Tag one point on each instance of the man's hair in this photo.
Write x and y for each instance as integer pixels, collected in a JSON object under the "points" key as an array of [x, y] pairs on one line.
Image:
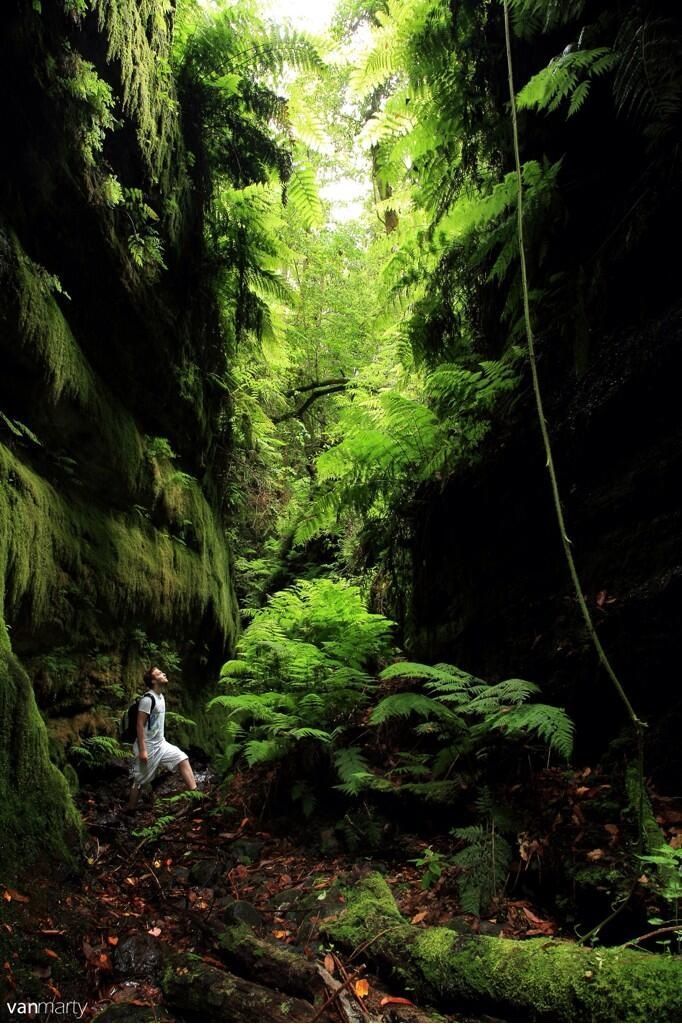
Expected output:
{"points": [[147, 677]]}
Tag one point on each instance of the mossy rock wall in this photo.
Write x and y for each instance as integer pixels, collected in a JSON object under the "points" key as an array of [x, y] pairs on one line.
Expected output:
{"points": [[114, 435]]}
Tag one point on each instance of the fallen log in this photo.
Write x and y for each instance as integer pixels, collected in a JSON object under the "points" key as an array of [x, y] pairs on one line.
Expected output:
{"points": [[208, 993], [271, 965], [532, 976]]}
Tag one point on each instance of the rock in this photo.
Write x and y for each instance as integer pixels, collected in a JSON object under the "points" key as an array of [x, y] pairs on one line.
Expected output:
{"points": [[329, 843], [242, 912], [130, 1014], [246, 851], [137, 956], [205, 872], [181, 874], [288, 899]]}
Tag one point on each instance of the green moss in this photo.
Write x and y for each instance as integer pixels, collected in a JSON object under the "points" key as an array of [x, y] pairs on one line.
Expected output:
{"points": [[366, 902], [139, 38], [71, 776], [536, 976], [36, 811], [129, 568], [44, 332]]}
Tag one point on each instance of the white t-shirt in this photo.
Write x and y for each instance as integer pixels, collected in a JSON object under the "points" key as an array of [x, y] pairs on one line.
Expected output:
{"points": [[154, 728]]}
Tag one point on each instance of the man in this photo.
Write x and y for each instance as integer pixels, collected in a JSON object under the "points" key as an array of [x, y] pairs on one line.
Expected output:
{"points": [[151, 750]]}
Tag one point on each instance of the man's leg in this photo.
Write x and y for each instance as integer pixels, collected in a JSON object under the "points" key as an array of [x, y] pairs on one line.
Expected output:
{"points": [[134, 796], [185, 769]]}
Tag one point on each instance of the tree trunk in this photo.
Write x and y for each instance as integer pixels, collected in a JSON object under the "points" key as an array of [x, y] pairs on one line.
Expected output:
{"points": [[536, 976], [192, 986]]}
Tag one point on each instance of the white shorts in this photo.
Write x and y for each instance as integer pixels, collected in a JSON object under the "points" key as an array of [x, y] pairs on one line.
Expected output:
{"points": [[165, 755]]}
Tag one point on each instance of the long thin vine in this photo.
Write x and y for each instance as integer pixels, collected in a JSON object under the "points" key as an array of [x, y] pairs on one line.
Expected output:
{"points": [[638, 724]]}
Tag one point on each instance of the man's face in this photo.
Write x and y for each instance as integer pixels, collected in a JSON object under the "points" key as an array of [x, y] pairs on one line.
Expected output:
{"points": [[159, 677]]}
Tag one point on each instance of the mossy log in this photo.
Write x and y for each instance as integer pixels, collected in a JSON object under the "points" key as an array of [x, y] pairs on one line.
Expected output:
{"points": [[538, 977], [194, 987], [273, 966]]}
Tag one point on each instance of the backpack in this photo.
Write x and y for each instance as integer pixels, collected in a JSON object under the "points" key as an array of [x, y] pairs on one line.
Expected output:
{"points": [[127, 727]]}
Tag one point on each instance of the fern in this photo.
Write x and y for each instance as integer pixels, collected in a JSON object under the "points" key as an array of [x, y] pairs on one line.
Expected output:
{"points": [[154, 831], [312, 641], [484, 862], [402, 705], [353, 770], [303, 196], [567, 77], [264, 751], [552, 725]]}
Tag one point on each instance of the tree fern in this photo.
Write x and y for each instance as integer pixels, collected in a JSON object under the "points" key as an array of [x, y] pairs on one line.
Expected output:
{"points": [[312, 641]]}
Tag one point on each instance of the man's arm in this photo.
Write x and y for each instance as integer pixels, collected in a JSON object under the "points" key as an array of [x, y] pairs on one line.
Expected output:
{"points": [[142, 717]]}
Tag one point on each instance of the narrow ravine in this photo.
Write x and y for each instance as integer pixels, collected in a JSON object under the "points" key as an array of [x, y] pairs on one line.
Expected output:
{"points": [[340, 347]]}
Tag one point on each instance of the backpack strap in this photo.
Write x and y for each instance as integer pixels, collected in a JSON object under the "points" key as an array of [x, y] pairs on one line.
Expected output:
{"points": [[153, 700]]}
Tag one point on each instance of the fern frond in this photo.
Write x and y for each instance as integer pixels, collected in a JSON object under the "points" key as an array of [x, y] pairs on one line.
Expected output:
{"points": [[568, 76], [303, 196], [402, 705], [264, 751], [550, 724]]}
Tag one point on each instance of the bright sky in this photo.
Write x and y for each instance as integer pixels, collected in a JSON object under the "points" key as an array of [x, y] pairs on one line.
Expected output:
{"points": [[312, 15], [345, 195]]}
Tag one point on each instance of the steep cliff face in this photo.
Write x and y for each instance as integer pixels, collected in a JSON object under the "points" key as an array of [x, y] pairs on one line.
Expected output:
{"points": [[491, 590], [113, 438]]}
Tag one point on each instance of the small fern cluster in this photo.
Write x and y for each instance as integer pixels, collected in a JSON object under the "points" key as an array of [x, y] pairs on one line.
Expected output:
{"points": [[456, 698]]}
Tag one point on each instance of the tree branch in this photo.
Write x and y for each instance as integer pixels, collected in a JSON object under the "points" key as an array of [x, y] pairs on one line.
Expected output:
{"points": [[297, 413], [317, 384]]}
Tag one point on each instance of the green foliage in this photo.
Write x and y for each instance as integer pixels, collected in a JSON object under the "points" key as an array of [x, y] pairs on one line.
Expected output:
{"points": [[300, 673], [393, 442], [156, 830], [402, 705], [98, 751], [667, 862], [484, 862], [433, 864], [353, 770], [81, 81], [567, 77], [551, 725], [466, 705], [139, 38]]}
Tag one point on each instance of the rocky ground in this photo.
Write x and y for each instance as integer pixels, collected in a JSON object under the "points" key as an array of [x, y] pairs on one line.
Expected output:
{"points": [[196, 910]]}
